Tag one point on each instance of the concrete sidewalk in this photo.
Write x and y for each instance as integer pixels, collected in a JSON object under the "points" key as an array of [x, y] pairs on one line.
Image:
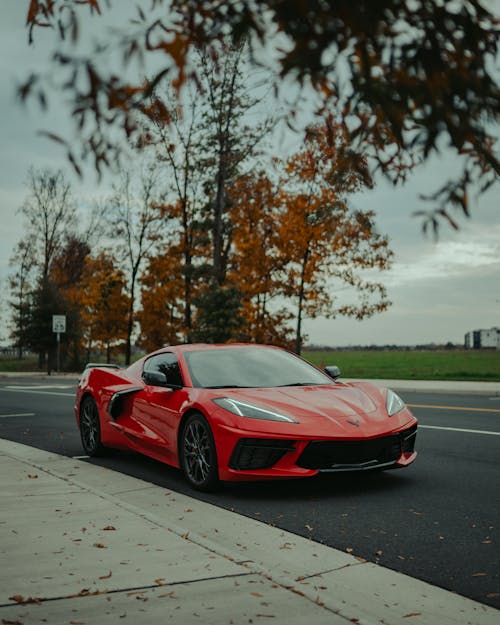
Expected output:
{"points": [[81, 544], [453, 387]]}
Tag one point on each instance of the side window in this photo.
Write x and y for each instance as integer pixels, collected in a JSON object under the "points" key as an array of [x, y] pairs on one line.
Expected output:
{"points": [[165, 363]]}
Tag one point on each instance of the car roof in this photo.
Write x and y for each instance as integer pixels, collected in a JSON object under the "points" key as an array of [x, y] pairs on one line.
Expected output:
{"points": [[190, 347]]}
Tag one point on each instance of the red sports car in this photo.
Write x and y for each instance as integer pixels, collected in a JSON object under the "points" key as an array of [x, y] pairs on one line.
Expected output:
{"points": [[242, 412]]}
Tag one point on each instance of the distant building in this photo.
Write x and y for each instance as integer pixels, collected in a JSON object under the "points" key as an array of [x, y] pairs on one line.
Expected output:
{"points": [[483, 339]]}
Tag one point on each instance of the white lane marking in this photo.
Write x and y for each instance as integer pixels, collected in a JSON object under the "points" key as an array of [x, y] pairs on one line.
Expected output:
{"points": [[42, 387], [22, 390], [17, 414], [439, 427], [460, 408]]}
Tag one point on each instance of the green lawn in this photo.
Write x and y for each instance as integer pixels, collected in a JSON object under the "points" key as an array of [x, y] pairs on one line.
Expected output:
{"points": [[390, 365], [412, 365], [11, 363]]}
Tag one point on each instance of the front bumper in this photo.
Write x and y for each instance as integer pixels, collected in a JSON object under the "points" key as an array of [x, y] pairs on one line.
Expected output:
{"points": [[271, 457]]}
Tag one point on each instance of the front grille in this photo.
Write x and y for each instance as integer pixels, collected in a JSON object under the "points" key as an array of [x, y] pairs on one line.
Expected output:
{"points": [[258, 453], [339, 455]]}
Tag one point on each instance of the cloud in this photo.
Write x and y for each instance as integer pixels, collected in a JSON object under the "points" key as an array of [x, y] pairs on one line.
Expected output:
{"points": [[448, 260]]}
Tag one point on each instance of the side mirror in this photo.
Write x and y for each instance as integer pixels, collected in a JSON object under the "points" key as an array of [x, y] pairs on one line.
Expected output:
{"points": [[333, 371], [155, 378], [158, 378]]}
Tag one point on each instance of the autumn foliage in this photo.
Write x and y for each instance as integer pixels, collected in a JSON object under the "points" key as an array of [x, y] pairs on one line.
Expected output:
{"points": [[403, 78]]}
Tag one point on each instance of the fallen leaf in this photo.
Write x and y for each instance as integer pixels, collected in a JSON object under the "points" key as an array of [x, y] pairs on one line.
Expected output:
{"points": [[17, 598], [309, 527], [6, 622], [109, 528], [379, 552], [32, 477], [349, 549], [493, 595], [21, 599], [185, 536], [170, 595], [479, 574], [188, 510], [160, 581], [412, 614], [100, 545], [256, 594], [106, 576]]}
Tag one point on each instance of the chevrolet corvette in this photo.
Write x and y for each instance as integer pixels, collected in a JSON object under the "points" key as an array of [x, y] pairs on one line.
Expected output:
{"points": [[242, 412]]}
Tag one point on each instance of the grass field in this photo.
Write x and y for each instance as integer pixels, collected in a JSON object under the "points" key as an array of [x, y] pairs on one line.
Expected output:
{"points": [[412, 365], [389, 365], [10, 363]]}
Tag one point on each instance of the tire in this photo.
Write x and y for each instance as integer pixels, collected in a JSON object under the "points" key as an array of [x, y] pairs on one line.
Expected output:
{"points": [[198, 454], [90, 428]]}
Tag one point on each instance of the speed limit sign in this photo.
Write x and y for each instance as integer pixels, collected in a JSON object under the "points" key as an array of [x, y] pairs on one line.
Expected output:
{"points": [[58, 323]]}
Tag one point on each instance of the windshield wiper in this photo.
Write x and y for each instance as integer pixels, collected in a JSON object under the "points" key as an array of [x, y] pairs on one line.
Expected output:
{"points": [[228, 386], [298, 384]]}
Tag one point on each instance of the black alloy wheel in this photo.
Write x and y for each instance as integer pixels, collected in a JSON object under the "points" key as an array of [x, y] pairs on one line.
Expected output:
{"points": [[198, 454], [90, 428]]}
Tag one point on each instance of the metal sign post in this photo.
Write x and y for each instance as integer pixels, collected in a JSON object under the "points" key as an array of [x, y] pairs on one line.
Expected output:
{"points": [[58, 326]]}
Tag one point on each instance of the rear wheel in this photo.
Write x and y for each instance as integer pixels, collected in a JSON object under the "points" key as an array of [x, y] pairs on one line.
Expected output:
{"points": [[198, 454], [90, 427]]}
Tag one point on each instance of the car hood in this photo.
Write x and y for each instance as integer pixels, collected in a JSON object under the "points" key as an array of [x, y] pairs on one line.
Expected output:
{"points": [[334, 403]]}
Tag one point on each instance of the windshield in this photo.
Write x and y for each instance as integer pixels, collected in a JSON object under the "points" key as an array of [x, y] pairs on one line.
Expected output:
{"points": [[251, 367]]}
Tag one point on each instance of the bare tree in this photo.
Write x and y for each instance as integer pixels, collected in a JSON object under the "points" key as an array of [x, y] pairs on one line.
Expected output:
{"points": [[50, 212], [176, 140], [229, 140], [135, 224]]}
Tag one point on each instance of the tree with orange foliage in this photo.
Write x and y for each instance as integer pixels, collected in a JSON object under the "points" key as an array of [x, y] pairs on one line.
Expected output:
{"points": [[257, 264], [105, 304], [162, 315], [92, 292], [325, 244], [203, 148]]}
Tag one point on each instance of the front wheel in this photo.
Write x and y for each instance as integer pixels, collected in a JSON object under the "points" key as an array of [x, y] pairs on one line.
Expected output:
{"points": [[90, 428], [198, 454]]}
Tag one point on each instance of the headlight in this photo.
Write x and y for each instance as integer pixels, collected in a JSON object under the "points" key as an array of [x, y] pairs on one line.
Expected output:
{"points": [[243, 409], [393, 403]]}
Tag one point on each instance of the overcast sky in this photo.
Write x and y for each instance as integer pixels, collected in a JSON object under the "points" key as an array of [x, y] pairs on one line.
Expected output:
{"points": [[439, 290]]}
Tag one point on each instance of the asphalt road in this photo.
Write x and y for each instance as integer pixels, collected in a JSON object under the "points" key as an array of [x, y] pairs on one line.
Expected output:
{"points": [[437, 520]]}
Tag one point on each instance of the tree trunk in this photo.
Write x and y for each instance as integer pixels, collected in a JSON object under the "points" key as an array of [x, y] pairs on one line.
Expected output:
{"points": [[128, 342], [219, 270], [298, 336]]}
